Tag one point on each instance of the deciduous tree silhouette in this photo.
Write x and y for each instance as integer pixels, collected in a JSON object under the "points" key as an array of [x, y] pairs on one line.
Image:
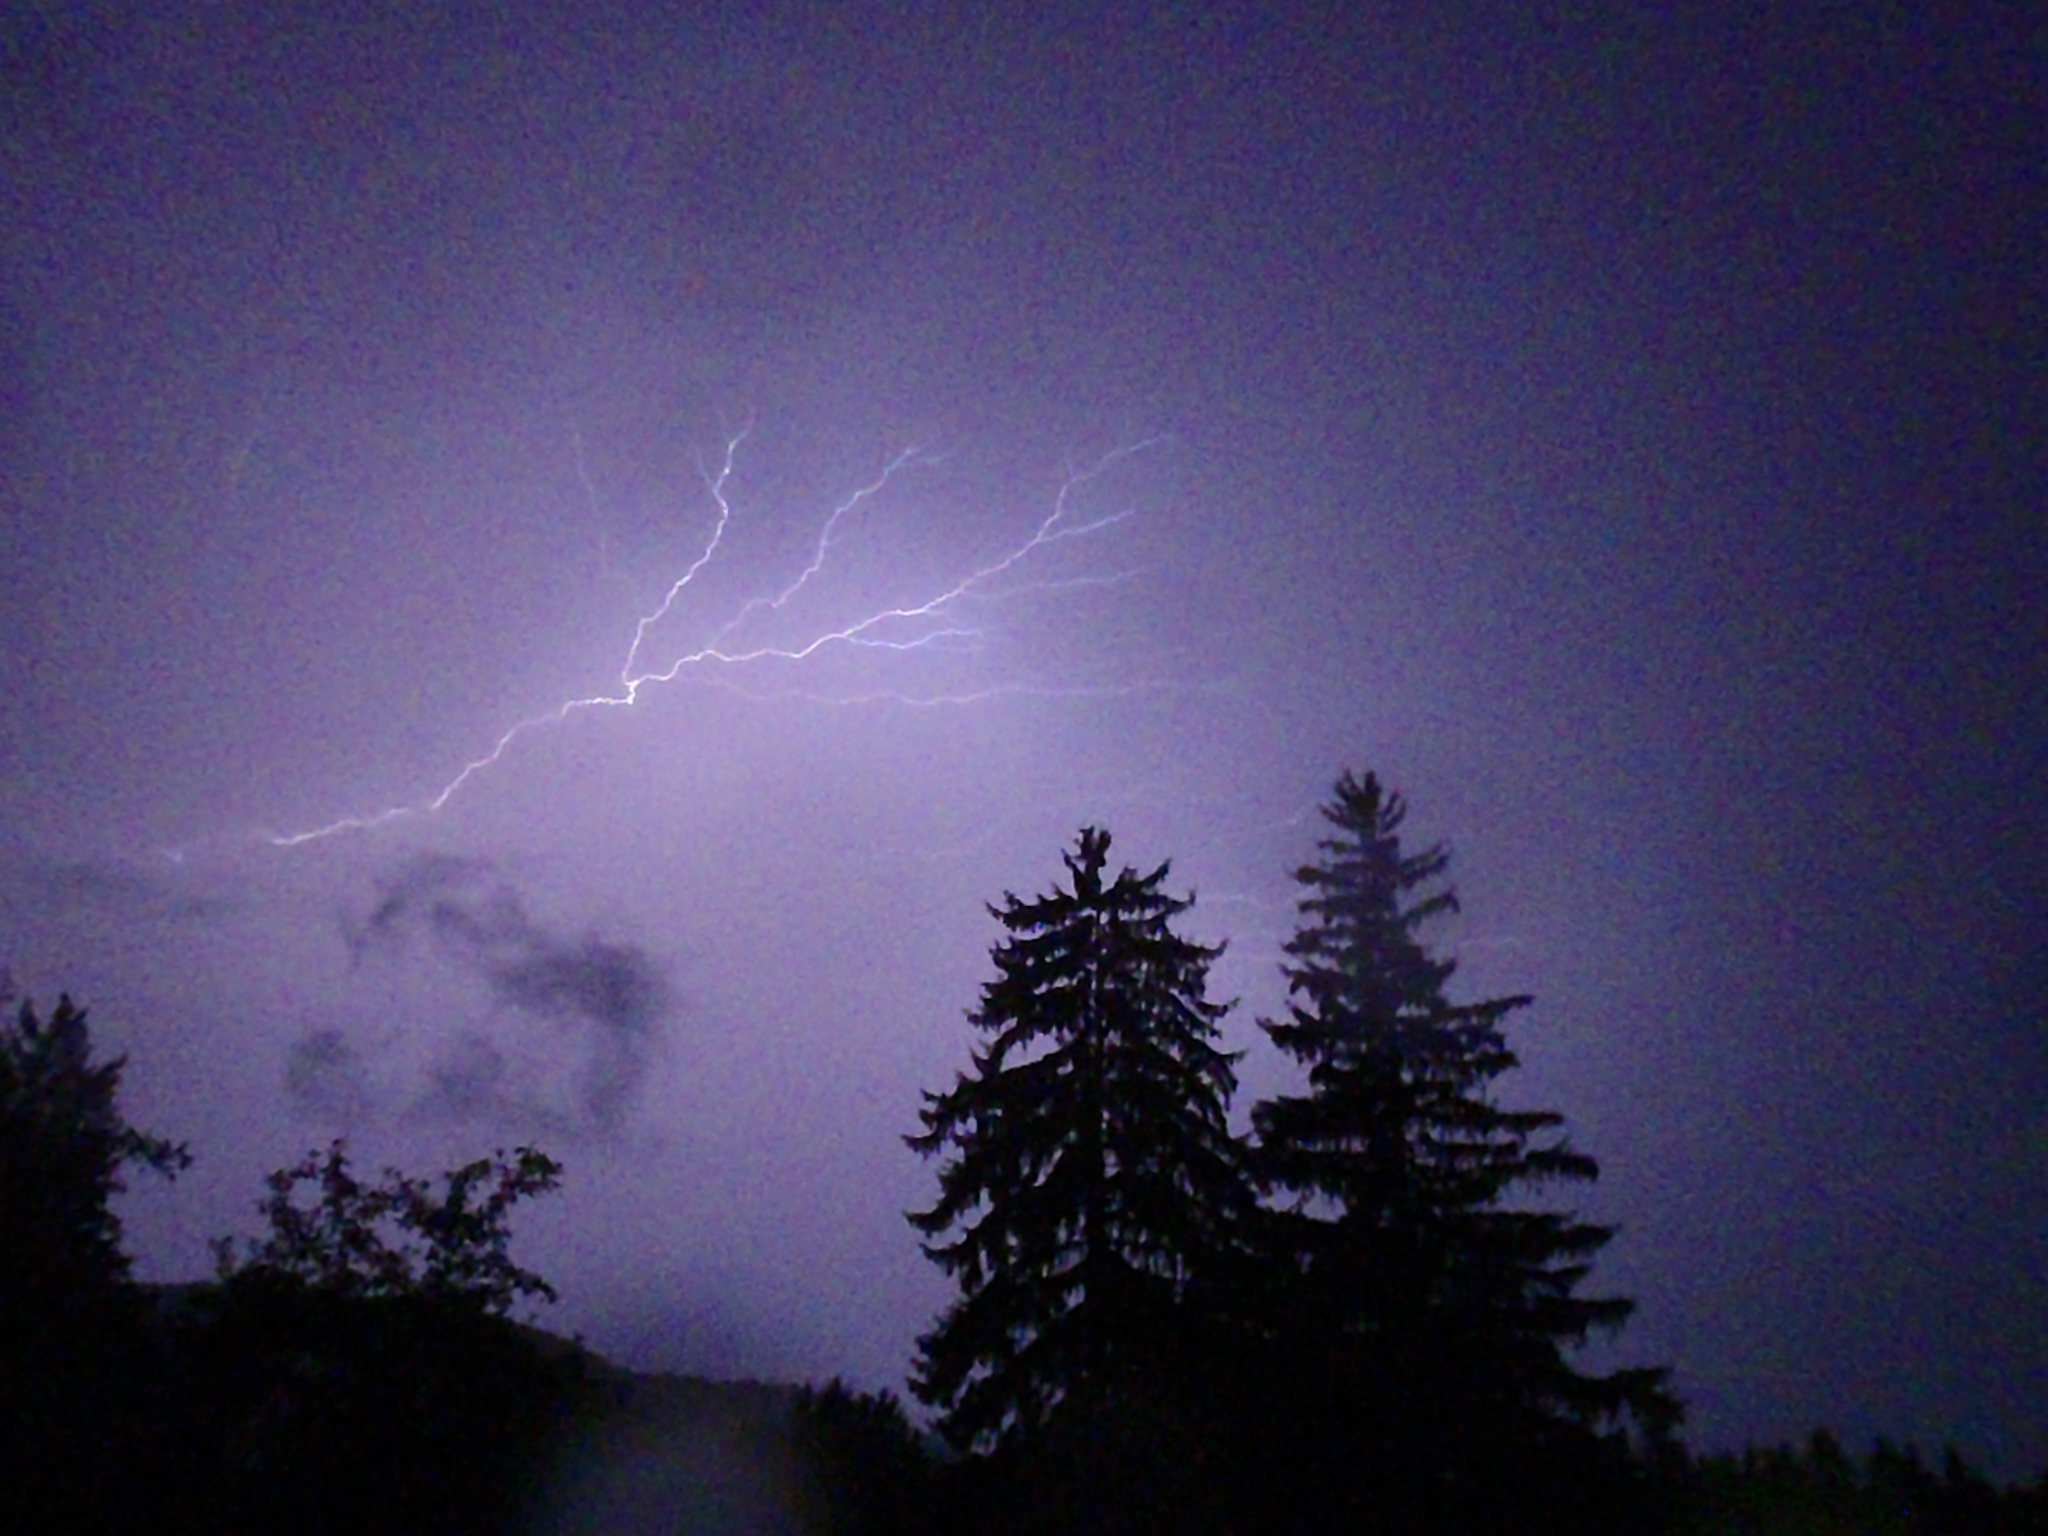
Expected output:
{"points": [[871, 1475], [1425, 1307], [1092, 1186], [357, 1369], [1818, 1487], [399, 1238]]}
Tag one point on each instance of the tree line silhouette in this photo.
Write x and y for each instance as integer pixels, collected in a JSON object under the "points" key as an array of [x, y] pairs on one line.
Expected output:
{"points": [[353, 1372], [1358, 1315]]}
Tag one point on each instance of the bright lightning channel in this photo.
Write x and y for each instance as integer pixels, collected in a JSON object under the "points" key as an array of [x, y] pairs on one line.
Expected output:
{"points": [[1058, 526]]}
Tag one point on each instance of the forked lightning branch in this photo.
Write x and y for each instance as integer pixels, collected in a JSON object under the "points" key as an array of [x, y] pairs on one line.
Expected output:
{"points": [[920, 622]]}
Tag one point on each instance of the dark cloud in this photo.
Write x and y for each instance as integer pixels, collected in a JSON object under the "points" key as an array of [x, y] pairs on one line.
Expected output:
{"points": [[604, 998], [111, 888], [324, 1076], [608, 988], [468, 1081]]}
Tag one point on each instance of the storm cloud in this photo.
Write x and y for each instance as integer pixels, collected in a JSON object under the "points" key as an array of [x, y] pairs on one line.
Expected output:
{"points": [[323, 1075], [601, 1002]]}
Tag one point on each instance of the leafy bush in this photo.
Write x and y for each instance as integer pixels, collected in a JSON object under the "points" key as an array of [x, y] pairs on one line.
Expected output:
{"points": [[399, 1238]]}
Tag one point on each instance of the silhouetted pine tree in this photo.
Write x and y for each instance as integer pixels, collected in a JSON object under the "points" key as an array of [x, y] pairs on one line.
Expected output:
{"points": [[1424, 1310], [1092, 1190]]}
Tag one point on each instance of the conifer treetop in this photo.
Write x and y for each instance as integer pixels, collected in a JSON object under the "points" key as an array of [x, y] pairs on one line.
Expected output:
{"points": [[1090, 1173]]}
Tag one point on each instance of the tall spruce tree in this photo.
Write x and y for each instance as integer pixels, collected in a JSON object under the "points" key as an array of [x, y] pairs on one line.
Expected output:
{"points": [[1093, 1184], [1432, 1308]]}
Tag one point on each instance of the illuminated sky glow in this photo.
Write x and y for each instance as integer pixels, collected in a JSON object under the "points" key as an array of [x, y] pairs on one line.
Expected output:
{"points": [[922, 624]]}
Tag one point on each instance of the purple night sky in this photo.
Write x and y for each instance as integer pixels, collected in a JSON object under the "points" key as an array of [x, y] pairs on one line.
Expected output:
{"points": [[1623, 433]]}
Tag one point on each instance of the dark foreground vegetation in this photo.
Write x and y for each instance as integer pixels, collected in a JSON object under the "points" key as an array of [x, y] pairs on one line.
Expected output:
{"points": [[1361, 1316], [875, 1474], [355, 1372]]}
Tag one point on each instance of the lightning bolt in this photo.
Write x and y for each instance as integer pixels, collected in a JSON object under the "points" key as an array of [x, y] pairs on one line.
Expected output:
{"points": [[932, 623]]}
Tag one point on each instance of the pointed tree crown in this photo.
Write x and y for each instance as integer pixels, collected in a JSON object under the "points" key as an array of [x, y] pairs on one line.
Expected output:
{"points": [[1407, 1186], [1090, 1172]]}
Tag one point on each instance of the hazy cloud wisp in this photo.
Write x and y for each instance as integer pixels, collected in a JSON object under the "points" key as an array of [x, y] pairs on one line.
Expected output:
{"points": [[605, 1000]]}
